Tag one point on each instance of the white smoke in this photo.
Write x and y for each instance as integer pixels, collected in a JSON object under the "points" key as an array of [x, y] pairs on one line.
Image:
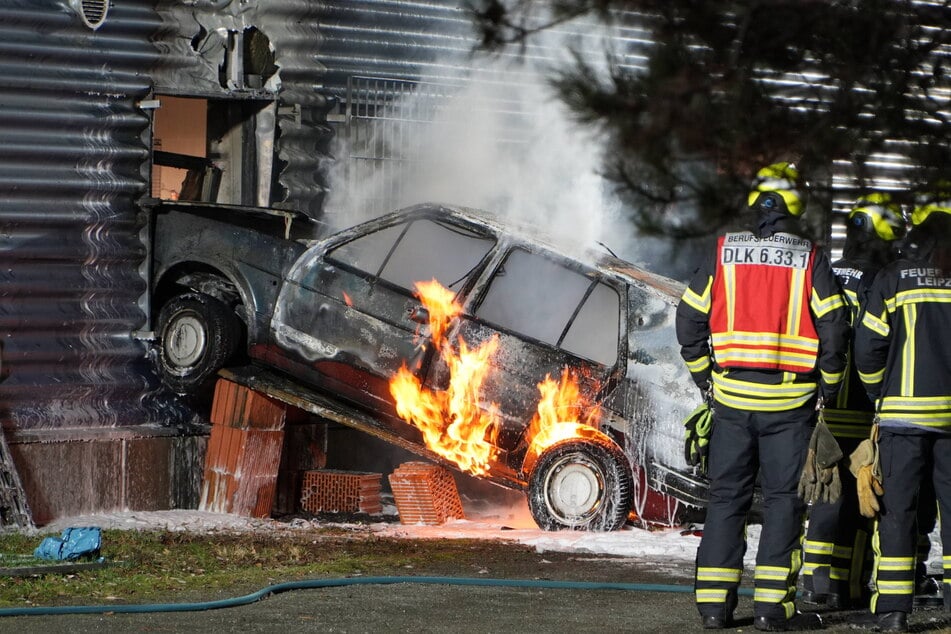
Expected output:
{"points": [[499, 140]]}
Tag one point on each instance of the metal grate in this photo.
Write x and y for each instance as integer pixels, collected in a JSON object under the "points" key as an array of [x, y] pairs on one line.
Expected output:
{"points": [[93, 12], [390, 123]]}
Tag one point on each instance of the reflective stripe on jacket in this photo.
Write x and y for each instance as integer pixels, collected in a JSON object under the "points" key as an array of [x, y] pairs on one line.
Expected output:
{"points": [[850, 416], [759, 317], [902, 347], [764, 319]]}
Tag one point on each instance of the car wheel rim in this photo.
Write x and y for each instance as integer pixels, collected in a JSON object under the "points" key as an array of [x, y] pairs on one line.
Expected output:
{"points": [[573, 489], [185, 342]]}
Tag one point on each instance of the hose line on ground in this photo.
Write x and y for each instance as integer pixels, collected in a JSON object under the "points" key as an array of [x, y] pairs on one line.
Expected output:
{"points": [[310, 584]]}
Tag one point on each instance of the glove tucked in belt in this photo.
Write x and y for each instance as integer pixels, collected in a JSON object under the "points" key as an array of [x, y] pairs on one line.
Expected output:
{"points": [[820, 480], [697, 428], [865, 465]]}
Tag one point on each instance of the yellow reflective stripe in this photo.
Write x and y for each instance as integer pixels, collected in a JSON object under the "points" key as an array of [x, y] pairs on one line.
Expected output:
{"points": [[700, 303], [832, 377], [794, 313], [908, 351], [809, 568], [918, 295], [711, 595], [758, 404], [775, 573], [767, 390], [818, 548], [698, 365], [729, 288], [896, 563], [775, 339], [852, 297], [823, 306], [839, 573], [842, 552], [872, 377], [875, 324], [728, 356], [731, 575], [896, 587], [769, 595], [917, 403]]}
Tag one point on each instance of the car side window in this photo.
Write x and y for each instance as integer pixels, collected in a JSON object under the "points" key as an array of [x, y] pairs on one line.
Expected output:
{"points": [[594, 332], [417, 251], [547, 301]]}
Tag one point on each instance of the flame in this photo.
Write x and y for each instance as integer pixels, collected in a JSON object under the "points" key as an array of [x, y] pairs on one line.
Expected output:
{"points": [[560, 413], [346, 299], [455, 423]]}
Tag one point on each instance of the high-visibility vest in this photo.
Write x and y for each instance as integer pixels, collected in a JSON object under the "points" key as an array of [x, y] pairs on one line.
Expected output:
{"points": [[759, 317]]}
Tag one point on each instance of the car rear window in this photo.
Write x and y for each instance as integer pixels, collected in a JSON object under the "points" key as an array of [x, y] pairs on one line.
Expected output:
{"points": [[547, 301], [417, 251]]}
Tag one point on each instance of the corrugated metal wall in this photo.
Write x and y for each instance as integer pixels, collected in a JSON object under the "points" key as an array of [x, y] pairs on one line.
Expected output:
{"points": [[71, 158]]}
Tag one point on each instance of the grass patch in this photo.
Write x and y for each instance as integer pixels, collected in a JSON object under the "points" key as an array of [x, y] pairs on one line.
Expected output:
{"points": [[173, 567]]}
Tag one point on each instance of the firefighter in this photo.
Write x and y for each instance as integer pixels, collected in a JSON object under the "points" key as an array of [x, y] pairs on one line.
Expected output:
{"points": [[834, 551], [764, 326], [903, 355]]}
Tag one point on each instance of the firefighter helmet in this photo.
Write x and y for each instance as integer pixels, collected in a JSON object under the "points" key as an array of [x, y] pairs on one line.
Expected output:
{"points": [[932, 202], [878, 214], [776, 186]]}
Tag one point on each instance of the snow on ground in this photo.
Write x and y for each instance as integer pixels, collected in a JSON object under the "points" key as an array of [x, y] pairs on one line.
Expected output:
{"points": [[675, 547]]}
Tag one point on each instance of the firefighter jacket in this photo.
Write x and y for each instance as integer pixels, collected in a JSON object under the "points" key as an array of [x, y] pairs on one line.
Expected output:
{"points": [[902, 347], [765, 319], [850, 415]]}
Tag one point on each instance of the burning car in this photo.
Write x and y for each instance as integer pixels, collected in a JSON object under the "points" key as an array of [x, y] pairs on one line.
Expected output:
{"points": [[456, 336]]}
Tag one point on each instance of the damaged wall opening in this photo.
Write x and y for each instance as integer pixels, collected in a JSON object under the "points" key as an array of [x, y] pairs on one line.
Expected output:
{"points": [[213, 150]]}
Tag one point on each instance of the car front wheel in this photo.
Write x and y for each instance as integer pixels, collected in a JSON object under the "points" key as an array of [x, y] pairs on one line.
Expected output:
{"points": [[197, 334], [581, 485]]}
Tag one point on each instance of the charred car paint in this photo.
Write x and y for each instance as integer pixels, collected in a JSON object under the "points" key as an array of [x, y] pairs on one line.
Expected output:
{"points": [[336, 317]]}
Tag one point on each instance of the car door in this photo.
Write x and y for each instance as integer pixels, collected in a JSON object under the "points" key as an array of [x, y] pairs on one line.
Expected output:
{"points": [[549, 314], [346, 317]]}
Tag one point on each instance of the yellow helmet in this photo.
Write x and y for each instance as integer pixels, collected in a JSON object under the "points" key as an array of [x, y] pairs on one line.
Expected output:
{"points": [[782, 180], [932, 202], [878, 213]]}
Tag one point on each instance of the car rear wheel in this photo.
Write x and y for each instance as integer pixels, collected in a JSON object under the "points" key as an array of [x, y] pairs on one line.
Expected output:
{"points": [[197, 335], [581, 485]]}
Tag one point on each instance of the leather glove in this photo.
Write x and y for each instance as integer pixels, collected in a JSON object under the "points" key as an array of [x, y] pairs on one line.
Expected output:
{"points": [[820, 480], [865, 465], [697, 428]]}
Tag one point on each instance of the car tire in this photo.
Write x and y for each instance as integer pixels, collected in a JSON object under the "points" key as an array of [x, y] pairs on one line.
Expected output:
{"points": [[581, 485], [197, 335]]}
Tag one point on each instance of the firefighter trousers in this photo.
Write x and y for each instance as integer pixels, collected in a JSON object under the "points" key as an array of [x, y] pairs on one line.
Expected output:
{"points": [[908, 458], [836, 546], [745, 444]]}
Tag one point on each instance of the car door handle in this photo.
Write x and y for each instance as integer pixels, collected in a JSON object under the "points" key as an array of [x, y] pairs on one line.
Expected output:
{"points": [[419, 314]]}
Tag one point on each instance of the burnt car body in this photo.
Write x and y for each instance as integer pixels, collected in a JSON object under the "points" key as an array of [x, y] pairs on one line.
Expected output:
{"points": [[338, 315]]}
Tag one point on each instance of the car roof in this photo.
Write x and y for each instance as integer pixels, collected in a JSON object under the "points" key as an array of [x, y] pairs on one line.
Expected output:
{"points": [[535, 236]]}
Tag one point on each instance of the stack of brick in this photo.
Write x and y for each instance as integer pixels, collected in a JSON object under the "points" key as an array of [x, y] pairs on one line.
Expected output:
{"points": [[425, 494], [341, 492], [244, 451]]}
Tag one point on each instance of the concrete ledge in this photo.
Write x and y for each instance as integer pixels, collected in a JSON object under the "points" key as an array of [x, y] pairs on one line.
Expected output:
{"points": [[69, 472]]}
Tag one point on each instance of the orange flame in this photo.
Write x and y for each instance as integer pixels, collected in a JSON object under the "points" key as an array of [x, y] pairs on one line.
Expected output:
{"points": [[559, 411], [454, 422], [346, 299]]}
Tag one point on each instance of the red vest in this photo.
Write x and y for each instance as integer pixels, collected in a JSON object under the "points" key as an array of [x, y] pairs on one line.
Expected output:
{"points": [[760, 317]]}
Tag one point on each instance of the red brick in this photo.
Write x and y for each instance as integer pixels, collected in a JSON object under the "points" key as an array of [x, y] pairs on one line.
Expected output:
{"points": [[425, 494]]}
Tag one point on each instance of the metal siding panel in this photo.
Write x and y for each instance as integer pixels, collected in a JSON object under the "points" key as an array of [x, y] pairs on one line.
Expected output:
{"points": [[72, 161]]}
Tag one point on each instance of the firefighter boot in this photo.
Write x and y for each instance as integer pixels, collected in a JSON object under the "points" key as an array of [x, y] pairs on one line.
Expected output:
{"points": [[800, 621]]}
